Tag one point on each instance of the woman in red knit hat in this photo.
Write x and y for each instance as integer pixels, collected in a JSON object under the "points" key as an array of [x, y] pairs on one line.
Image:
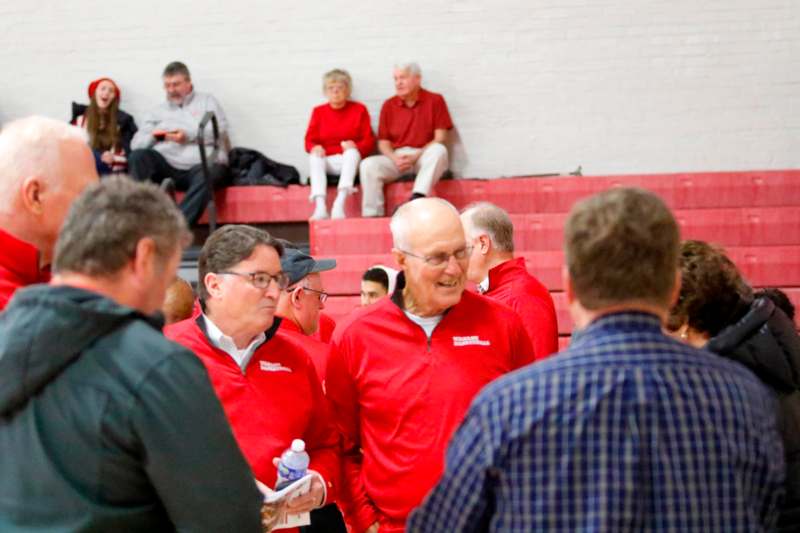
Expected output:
{"points": [[110, 129]]}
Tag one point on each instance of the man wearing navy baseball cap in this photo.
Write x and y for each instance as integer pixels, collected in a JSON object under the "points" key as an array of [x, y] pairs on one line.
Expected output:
{"points": [[299, 307]]}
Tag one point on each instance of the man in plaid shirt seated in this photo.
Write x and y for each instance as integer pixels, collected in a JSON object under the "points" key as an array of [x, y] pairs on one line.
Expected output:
{"points": [[628, 429]]}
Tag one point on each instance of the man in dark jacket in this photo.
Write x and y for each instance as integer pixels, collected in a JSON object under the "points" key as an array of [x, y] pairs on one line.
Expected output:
{"points": [[104, 424]]}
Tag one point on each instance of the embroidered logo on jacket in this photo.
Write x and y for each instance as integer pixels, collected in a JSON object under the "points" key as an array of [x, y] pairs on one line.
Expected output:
{"points": [[470, 340], [268, 366]]}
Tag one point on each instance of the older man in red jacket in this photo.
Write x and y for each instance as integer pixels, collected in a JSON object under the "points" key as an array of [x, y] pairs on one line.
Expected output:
{"points": [[504, 278], [44, 165], [266, 383], [404, 370]]}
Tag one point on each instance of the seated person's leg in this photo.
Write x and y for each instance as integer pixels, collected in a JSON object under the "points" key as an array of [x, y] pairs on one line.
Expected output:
{"points": [[197, 196], [430, 166], [375, 171], [348, 166], [149, 165], [319, 185], [102, 168]]}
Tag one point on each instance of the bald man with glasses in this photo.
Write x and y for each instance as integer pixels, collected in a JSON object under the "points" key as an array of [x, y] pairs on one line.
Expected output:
{"points": [[404, 370], [267, 384]]}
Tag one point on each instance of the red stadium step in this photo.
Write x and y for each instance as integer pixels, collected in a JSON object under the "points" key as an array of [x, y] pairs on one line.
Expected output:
{"points": [[529, 194], [762, 266], [756, 226]]}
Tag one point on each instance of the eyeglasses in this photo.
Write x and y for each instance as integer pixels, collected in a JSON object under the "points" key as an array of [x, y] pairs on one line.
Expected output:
{"points": [[442, 258], [322, 294], [261, 280]]}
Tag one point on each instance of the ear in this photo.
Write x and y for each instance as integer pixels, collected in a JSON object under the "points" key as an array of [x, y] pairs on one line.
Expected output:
{"points": [[32, 189], [676, 291], [144, 260], [294, 297], [212, 283], [485, 244], [399, 258]]}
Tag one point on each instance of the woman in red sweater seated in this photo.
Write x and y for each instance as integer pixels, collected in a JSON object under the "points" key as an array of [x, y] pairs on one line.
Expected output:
{"points": [[110, 129], [339, 134]]}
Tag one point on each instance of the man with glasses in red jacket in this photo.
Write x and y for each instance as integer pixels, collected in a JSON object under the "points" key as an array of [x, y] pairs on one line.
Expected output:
{"points": [[267, 384], [404, 370]]}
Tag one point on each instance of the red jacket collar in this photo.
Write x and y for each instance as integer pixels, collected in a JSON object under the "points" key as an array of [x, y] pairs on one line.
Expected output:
{"points": [[505, 272], [287, 324], [22, 259]]}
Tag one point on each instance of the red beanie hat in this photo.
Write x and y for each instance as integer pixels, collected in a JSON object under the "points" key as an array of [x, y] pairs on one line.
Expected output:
{"points": [[95, 83]]}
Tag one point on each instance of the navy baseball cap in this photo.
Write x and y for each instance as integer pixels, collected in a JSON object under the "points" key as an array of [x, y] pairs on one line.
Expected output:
{"points": [[297, 264]]}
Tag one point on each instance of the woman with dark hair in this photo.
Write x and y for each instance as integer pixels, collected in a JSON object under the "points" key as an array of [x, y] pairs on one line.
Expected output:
{"points": [[110, 129], [717, 310]]}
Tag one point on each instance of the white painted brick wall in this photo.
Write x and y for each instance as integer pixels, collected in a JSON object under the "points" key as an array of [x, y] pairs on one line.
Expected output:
{"points": [[533, 86]]}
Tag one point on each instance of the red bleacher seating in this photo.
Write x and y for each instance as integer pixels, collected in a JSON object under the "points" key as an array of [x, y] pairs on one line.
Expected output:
{"points": [[531, 195], [754, 215]]}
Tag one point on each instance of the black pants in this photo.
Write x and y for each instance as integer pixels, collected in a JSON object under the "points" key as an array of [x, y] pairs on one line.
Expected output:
{"points": [[328, 519], [149, 165]]}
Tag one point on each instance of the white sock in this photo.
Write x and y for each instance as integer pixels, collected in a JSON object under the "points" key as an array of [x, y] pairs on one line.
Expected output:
{"points": [[337, 210], [320, 211]]}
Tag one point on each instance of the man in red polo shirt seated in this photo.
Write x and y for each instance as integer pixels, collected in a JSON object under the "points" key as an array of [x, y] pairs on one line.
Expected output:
{"points": [[44, 165], [500, 276], [266, 383], [411, 138], [404, 370]]}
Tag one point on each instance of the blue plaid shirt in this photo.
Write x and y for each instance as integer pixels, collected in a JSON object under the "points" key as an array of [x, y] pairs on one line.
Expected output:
{"points": [[628, 430]]}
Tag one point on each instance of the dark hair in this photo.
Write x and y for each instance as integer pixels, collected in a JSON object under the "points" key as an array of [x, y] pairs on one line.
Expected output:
{"points": [[378, 275], [228, 246], [107, 221], [622, 246], [175, 68], [779, 298], [713, 294]]}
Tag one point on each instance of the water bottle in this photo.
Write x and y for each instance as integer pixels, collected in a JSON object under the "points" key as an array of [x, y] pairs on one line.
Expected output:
{"points": [[293, 464]]}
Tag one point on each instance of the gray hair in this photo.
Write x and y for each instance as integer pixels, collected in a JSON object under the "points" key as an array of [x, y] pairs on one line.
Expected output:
{"points": [[106, 223], [410, 67], [228, 246], [337, 75], [177, 68], [31, 146], [400, 225], [485, 217]]}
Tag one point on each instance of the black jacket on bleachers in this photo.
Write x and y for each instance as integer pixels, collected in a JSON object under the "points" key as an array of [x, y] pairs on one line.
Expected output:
{"points": [[766, 341]]}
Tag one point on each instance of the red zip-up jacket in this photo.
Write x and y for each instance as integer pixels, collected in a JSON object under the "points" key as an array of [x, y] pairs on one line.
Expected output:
{"points": [[510, 283], [19, 267], [400, 396], [318, 351], [278, 398]]}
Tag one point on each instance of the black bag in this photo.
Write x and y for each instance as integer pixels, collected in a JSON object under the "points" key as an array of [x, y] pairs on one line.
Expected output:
{"points": [[251, 167]]}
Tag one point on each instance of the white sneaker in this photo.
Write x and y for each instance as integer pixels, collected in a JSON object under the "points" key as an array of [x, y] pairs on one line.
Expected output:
{"points": [[320, 211], [337, 210]]}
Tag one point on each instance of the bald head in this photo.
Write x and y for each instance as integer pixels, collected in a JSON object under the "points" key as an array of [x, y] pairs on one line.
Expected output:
{"points": [[178, 301], [44, 165], [423, 220]]}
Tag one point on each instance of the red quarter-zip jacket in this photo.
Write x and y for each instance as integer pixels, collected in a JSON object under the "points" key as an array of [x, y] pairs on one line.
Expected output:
{"points": [[511, 284], [318, 351], [400, 397], [19, 266], [278, 398]]}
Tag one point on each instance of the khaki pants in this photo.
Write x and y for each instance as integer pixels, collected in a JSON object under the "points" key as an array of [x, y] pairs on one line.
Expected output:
{"points": [[377, 170]]}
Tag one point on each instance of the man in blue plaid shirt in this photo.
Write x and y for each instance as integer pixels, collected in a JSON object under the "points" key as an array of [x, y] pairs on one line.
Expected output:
{"points": [[627, 430]]}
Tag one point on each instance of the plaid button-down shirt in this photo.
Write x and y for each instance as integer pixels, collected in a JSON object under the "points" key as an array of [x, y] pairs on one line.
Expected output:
{"points": [[628, 430]]}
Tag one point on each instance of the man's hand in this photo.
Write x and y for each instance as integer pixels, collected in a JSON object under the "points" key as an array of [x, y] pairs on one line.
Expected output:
{"points": [[403, 162], [318, 150], [373, 528], [308, 501], [107, 158], [272, 514], [176, 136], [347, 145]]}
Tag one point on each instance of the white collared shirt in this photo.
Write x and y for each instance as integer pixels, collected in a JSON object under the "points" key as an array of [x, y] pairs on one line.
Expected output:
{"points": [[226, 344], [483, 286]]}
